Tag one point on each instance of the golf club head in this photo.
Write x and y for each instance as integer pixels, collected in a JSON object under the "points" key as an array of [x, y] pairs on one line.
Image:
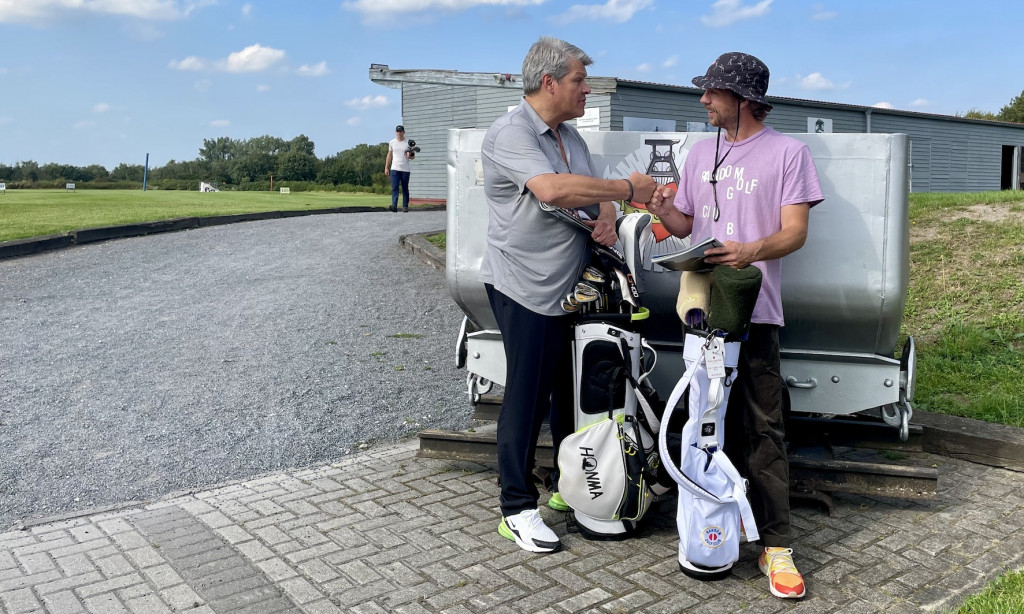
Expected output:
{"points": [[637, 241], [627, 286]]}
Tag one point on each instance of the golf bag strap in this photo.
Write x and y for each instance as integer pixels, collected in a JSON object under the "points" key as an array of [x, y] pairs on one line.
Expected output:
{"points": [[663, 452], [739, 492], [651, 421]]}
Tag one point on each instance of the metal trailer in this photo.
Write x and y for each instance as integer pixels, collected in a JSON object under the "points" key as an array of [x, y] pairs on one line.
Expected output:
{"points": [[843, 293]]}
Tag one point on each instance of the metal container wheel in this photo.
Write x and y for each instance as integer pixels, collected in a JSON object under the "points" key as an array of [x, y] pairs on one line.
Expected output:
{"points": [[476, 386], [899, 414]]}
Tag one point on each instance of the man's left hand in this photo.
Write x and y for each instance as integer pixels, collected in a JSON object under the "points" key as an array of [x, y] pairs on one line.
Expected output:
{"points": [[604, 231], [733, 254]]}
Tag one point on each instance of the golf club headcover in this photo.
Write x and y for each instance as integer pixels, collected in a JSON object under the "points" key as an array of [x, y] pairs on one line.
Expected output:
{"points": [[733, 296], [637, 241], [694, 300]]}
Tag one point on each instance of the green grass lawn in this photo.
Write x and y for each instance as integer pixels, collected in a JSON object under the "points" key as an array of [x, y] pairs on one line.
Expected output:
{"points": [[1004, 596], [965, 304], [32, 213]]}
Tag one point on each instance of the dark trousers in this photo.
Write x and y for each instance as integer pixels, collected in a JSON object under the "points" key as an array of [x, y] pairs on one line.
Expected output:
{"points": [[755, 432], [538, 384], [399, 178]]}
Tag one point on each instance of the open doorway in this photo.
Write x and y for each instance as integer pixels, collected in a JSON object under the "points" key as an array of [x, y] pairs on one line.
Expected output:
{"points": [[1011, 172]]}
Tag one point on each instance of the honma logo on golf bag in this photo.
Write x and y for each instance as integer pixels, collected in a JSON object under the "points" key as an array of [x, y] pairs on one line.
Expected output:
{"points": [[712, 537], [590, 472]]}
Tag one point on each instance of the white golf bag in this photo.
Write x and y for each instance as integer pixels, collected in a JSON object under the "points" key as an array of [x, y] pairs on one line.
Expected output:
{"points": [[712, 495], [606, 467]]}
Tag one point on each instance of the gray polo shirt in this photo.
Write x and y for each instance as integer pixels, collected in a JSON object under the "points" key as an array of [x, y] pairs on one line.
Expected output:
{"points": [[531, 256]]}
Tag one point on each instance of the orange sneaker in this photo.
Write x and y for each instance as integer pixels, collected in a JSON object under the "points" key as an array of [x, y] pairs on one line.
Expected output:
{"points": [[783, 578]]}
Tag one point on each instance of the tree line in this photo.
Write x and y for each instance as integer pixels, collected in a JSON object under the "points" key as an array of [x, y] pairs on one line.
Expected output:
{"points": [[1012, 112], [243, 164]]}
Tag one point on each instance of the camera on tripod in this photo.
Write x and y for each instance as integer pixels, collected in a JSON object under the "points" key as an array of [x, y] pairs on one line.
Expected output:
{"points": [[413, 150]]}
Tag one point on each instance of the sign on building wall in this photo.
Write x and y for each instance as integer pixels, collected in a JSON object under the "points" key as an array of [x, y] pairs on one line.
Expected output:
{"points": [[819, 125], [648, 124], [591, 119]]}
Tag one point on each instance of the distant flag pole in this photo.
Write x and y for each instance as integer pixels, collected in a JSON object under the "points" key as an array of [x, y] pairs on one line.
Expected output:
{"points": [[145, 173]]}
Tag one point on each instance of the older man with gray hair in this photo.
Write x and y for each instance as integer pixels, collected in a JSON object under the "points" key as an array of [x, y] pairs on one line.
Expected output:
{"points": [[532, 260]]}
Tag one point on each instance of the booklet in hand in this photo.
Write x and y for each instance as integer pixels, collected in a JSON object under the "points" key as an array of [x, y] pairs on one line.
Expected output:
{"points": [[690, 259]]}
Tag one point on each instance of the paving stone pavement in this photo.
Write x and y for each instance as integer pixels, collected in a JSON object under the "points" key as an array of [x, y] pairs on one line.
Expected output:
{"points": [[385, 531]]}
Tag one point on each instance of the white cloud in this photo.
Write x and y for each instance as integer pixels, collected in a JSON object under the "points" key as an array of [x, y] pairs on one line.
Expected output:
{"points": [[3, 71], [670, 62], [921, 102], [262, 87], [189, 63], [383, 12], [368, 102], [316, 70], [727, 12], [220, 123], [247, 9], [883, 105], [817, 81], [101, 108], [85, 123], [354, 121], [254, 58], [824, 15], [35, 11], [614, 11], [645, 67]]}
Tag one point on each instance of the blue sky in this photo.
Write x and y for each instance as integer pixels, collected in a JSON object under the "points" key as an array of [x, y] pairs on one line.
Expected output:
{"points": [[108, 81]]}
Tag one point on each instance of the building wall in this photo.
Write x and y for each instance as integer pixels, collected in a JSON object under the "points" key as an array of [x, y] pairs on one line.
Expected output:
{"points": [[947, 155], [429, 110], [950, 155], [655, 104]]}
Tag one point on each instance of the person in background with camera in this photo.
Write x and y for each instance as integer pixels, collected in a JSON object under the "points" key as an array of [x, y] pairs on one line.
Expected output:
{"points": [[397, 166], [768, 186], [530, 156]]}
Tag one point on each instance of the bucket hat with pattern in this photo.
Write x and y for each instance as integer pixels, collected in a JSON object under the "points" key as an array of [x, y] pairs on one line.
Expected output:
{"points": [[738, 72]]}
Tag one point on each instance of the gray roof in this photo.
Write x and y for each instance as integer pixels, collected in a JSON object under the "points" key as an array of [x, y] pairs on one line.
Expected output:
{"points": [[382, 74]]}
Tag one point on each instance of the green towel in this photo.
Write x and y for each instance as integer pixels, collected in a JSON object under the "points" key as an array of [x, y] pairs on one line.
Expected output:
{"points": [[733, 296]]}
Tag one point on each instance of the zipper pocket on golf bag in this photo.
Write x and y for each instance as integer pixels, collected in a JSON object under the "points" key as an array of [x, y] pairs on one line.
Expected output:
{"points": [[637, 496]]}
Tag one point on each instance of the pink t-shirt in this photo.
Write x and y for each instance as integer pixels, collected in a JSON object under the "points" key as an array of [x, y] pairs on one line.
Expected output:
{"points": [[761, 175]]}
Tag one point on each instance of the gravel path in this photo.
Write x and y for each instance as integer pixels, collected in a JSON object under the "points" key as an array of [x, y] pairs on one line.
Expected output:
{"points": [[134, 368]]}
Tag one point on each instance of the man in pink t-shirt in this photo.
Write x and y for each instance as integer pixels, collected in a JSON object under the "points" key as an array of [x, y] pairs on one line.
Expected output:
{"points": [[751, 188]]}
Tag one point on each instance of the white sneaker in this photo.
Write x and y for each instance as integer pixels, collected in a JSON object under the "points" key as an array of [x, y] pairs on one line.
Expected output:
{"points": [[528, 531]]}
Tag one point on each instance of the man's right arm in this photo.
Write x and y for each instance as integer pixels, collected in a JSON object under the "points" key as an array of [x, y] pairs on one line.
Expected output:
{"points": [[570, 191], [387, 163], [516, 153]]}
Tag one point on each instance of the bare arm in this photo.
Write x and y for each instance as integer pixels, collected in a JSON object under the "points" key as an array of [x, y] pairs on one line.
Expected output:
{"points": [[786, 241], [571, 191], [387, 163]]}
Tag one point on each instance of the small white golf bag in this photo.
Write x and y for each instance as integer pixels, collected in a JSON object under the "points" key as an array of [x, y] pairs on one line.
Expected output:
{"points": [[712, 495]]}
